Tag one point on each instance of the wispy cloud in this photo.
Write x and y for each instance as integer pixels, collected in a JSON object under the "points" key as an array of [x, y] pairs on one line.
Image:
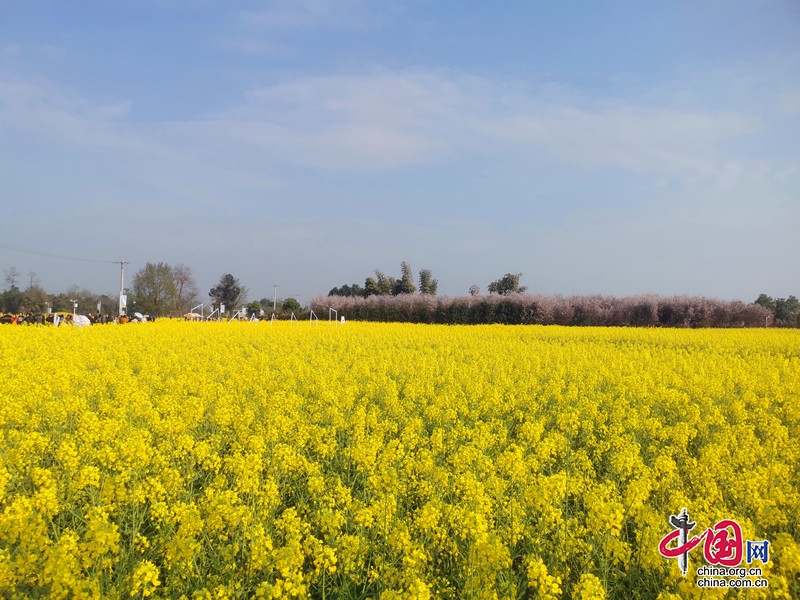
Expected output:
{"points": [[250, 45], [388, 120], [202, 175], [379, 122], [62, 123], [256, 32], [637, 139], [40, 107], [308, 14]]}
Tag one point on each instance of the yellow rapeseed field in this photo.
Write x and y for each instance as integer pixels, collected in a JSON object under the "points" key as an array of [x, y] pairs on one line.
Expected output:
{"points": [[387, 461]]}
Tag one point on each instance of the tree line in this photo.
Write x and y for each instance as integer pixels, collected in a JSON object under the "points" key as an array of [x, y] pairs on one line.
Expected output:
{"points": [[785, 311], [171, 290], [389, 299], [383, 285], [26, 295], [161, 289], [156, 289], [521, 308]]}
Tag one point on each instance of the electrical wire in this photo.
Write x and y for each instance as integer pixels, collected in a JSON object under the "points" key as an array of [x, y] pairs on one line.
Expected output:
{"points": [[60, 257]]}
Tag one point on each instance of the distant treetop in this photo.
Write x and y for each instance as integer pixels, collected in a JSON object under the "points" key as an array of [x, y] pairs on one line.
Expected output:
{"points": [[507, 284]]}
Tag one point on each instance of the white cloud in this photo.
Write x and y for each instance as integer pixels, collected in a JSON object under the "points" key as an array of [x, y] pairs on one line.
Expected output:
{"points": [[638, 139], [307, 14], [253, 46], [254, 32], [377, 122], [387, 120], [44, 109]]}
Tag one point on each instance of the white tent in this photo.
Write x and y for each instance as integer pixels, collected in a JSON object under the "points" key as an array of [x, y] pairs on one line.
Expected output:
{"points": [[81, 321]]}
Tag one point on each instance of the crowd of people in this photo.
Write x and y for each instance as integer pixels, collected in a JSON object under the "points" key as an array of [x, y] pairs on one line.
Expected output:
{"points": [[57, 319]]}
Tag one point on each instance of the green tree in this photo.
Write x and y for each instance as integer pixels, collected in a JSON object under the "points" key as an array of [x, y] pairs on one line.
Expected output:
{"points": [[406, 283], [229, 292], [87, 300], [291, 305], [12, 300], [371, 287], [766, 302], [507, 284], [787, 310], [254, 308], [35, 299], [427, 284], [385, 285], [60, 303], [107, 304], [347, 291], [153, 289]]}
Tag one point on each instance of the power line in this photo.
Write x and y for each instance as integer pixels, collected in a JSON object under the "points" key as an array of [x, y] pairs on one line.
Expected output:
{"points": [[60, 257]]}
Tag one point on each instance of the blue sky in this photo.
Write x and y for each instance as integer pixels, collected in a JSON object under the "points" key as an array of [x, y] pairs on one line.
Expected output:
{"points": [[597, 148]]}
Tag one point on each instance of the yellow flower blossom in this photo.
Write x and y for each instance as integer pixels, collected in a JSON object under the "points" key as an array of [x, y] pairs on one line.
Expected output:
{"points": [[216, 460]]}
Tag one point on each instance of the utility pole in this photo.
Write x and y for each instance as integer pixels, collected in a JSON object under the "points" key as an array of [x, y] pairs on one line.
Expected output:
{"points": [[122, 298], [274, 296]]}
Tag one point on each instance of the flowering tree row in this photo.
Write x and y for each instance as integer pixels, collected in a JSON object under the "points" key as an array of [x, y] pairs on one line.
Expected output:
{"points": [[513, 309]]}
